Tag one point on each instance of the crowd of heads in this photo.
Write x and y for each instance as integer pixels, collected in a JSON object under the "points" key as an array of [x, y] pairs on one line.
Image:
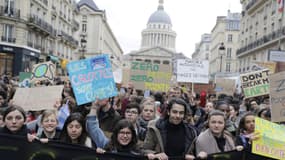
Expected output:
{"points": [[218, 114]]}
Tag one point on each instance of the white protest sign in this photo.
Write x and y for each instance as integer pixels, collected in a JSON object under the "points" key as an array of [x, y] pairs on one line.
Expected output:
{"points": [[195, 71]]}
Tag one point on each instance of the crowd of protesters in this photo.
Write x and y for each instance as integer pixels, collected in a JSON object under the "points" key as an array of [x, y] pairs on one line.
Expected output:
{"points": [[161, 125]]}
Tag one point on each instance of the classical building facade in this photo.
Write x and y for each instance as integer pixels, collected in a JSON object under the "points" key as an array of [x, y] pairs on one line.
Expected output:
{"points": [[95, 34], [31, 30], [261, 31], [158, 41], [225, 36], [202, 49]]}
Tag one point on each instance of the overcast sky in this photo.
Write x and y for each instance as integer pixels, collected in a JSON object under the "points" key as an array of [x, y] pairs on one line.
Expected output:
{"points": [[190, 19]]}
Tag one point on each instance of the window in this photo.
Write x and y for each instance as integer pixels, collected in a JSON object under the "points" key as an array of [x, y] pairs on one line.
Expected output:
{"points": [[8, 31], [84, 28], [9, 7], [230, 38], [229, 52], [165, 62], [228, 67], [156, 61], [84, 18]]}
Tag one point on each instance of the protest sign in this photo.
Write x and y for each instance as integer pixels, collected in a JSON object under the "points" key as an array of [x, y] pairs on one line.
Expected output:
{"points": [[150, 76], [277, 97], [91, 79], [271, 66], [195, 71], [225, 86], [255, 83], [118, 75], [271, 143], [43, 71], [38, 98], [24, 79]]}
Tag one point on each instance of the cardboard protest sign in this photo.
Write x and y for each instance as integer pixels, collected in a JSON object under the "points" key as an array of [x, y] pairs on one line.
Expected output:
{"points": [[150, 76], [195, 71], [91, 79], [272, 140], [225, 86], [265, 65], [255, 83], [38, 98], [277, 97], [126, 76], [43, 71]]}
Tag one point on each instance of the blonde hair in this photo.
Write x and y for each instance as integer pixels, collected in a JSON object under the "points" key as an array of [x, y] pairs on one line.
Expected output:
{"points": [[48, 113]]}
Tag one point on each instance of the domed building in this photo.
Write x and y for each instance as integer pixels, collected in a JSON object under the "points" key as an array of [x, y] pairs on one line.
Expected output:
{"points": [[158, 40]]}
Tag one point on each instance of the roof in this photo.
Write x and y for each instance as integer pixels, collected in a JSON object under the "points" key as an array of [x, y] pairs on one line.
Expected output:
{"points": [[90, 3], [159, 16]]}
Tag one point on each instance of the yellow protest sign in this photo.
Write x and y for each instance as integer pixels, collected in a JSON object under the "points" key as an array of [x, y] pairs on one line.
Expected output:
{"points": [[271, 141], [150, 76]]}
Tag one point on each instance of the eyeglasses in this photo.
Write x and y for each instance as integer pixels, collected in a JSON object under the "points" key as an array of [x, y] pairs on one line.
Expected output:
{"points": [[125, 133], [131, 112]]}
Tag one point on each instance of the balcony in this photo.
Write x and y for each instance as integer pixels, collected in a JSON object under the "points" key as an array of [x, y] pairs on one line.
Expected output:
{"points": [[10, 13], [253, 5], [265, 40], [39, 24], [8, 39]]}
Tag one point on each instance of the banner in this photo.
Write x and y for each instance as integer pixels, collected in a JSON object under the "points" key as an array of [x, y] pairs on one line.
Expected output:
{"points": [[38, 98], [43, 71], [91, 79], [255, 83], [18, 148], [150, 76], [272, 140], [277, 97], [195, 71]]}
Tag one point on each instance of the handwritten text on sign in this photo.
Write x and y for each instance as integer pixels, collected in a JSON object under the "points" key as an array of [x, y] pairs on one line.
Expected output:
{"points": [[149, 76], [92, 78], [194, 71], [271, 141], [255, 83]]}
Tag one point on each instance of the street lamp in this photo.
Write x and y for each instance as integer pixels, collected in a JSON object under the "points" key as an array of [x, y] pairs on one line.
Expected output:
{"points": [[83, 46], [221, 53]]}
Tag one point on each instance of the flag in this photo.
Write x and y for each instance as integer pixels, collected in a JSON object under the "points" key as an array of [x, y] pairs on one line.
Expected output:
{"points": [[280, 5]]}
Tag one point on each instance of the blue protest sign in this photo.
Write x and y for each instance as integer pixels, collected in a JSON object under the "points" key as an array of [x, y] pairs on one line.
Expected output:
{"points": [[92, 78]]}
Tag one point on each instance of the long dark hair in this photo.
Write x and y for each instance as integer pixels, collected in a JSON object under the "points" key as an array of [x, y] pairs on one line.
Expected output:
{"points": [[121, 125], [80, 119], [241, 126]]}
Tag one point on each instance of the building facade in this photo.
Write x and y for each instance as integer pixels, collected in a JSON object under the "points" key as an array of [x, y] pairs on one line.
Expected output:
{"points": [[31, 30], [225, 36], [95, 34], [262, 30], [202, 49]]}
